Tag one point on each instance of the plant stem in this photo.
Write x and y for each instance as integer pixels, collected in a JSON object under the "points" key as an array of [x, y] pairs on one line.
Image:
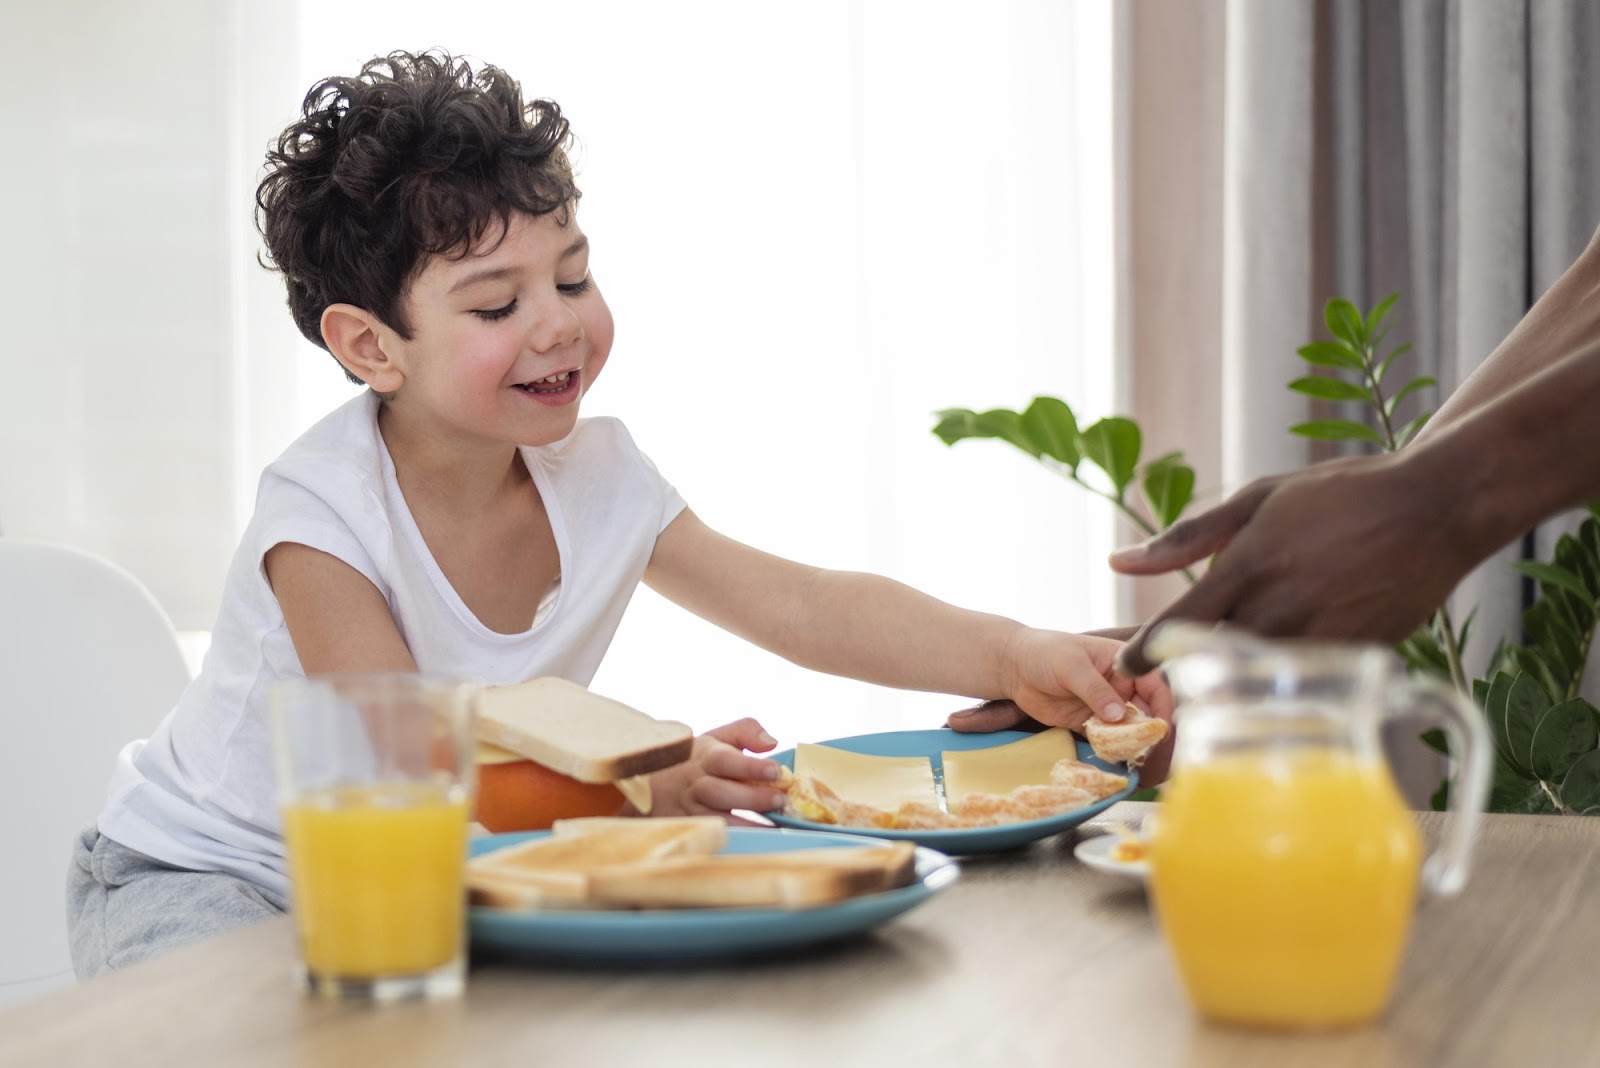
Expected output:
{"points": [[1452, 651], [1138, 520], [1561, 810]]}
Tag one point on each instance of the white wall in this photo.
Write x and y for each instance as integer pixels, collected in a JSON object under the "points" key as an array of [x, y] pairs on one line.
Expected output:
{"points": [[115, 425]]}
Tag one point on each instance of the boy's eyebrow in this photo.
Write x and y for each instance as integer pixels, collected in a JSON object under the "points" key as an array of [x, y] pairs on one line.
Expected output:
{"points": [[491, 274]]}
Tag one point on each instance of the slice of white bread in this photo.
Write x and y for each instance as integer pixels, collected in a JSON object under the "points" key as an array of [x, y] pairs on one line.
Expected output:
{"points": [[556, 871], [568, 729], [802, 878]]}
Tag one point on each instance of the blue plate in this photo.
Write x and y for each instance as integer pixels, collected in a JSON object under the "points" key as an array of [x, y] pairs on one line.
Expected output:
{"points": [[695, 934], [967, 840]]}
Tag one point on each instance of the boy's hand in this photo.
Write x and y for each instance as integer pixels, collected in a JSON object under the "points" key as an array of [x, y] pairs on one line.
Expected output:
{"points": [[1055, 673], [1063, 679], [719, 776]]}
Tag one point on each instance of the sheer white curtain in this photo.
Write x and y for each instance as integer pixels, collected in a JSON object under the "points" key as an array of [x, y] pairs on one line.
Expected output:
{"points": [[816, 225]]}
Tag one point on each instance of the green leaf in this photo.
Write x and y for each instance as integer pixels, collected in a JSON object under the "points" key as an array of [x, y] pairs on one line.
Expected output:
{"points": [[1422, 652], [1376, 316], [1557, 642], [1578, 611], [1526, 705], [1565, 733], [1573, 555], [1383, 368], [1324, 387], [958, 424], [1331, 354], [1434, 739], [1050, 424], [1494, 709], [1168, 487], [1550, 575], [1336, 430], [1112, 444], [1440, 801], [1405, 391], [1411, 428], [1530, 662], [1580, 788], [1511, 790], [1345, 322]]}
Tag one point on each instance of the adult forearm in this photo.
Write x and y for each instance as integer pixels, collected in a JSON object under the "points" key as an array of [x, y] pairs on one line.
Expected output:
{"points": [[1531, 454], [1566, 319], [880, 631]]}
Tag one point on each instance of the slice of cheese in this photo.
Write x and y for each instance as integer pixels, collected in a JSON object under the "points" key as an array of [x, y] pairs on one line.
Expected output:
{"points": [[1003, 768], [493, 754], [880, 781]]}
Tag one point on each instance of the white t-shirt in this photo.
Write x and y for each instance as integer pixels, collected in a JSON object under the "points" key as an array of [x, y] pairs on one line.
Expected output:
{"points": [[199, 793]]}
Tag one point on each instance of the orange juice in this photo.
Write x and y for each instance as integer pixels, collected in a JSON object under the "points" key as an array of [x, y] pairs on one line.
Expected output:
{"points": [[376, 877], [1284, 881]]}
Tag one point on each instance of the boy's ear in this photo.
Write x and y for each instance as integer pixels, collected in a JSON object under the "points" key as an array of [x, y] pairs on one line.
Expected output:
{"points": [[353, 336]]}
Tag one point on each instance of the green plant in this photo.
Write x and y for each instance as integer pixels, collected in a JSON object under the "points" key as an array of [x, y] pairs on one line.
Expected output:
{"points": [[1547, 738]]}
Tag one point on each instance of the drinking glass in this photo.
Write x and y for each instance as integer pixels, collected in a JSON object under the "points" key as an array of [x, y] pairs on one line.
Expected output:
{"points": [[375, 780]]}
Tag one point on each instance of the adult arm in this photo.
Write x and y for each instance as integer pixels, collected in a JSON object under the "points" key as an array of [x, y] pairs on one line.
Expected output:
{"points": [[1368, 547]]}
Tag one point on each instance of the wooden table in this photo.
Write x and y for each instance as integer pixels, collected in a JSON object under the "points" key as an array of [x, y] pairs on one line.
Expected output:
{"points": [[1031, 959]]}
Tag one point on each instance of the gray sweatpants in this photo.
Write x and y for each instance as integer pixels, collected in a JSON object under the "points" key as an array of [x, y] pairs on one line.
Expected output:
{"points": [[124, 907]]}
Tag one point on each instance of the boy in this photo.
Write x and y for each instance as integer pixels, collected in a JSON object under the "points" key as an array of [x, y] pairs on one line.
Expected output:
{"points": [[459, 519]]}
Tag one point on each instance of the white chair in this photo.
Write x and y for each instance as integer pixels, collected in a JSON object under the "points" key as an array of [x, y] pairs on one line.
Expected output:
{"points": [[88, 662]]}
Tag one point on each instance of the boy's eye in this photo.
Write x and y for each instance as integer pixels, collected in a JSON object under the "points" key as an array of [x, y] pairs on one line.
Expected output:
{"points": [[492, 314], [574, 288]]}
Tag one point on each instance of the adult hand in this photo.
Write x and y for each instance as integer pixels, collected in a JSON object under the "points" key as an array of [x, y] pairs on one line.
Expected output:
{"points": [[1359, 548]]}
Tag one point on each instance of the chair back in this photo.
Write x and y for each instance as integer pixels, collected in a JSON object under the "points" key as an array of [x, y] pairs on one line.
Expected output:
{"points": [[88, 662]]}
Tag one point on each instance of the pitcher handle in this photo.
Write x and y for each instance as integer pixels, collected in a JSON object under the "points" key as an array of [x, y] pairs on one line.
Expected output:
{"points": [[1471, 748]]}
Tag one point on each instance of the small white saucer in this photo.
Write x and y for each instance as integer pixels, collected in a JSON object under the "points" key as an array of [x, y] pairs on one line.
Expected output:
{"points": [[1096, 853]]}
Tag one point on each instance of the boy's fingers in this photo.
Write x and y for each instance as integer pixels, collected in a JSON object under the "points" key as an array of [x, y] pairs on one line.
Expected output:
{"points": [[725, 795], [745, 734], [1091, 687], [726, 762]]}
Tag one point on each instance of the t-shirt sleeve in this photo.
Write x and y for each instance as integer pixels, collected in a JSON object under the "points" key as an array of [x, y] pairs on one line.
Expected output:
{"points": [[289, 511], [671, 500]]}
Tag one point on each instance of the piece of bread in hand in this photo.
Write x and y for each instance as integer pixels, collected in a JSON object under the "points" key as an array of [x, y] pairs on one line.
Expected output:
{"points": [[1127, 742], [568, 729], [556, 872], [802, 878]]}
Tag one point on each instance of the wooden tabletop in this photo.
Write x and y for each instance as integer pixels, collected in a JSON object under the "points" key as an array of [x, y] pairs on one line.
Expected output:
{"points": [[1031, 959]]}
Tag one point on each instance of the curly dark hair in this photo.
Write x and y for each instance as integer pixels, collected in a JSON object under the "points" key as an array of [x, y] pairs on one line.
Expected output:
{"points": [[415, 156]]}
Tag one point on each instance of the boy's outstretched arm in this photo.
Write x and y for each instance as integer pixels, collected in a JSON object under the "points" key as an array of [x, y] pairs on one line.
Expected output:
{"points": [[877, 630]]}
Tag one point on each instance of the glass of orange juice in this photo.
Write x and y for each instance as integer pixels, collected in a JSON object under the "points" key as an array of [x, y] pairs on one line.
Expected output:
{"points": [[375, 777], [1284, 866]]}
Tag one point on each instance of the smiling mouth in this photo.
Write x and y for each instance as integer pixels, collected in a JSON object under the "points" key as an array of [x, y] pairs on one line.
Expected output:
{"points": [[558, 383]]}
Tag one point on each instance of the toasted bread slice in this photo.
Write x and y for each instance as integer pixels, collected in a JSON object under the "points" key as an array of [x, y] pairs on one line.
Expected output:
{"points": [[708, 833], [797, 879], [568, 729], [556, 871], [511, 890]]}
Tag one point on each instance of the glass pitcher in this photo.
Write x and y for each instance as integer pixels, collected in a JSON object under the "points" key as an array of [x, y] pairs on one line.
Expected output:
{"points": [[1284, 865]]}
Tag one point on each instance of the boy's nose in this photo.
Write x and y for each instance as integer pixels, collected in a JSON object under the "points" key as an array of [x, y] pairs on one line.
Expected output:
{"points": [[554, 325]]}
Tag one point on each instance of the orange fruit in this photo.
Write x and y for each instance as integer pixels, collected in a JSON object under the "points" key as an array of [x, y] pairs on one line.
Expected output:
{"points": [[521, 795]]}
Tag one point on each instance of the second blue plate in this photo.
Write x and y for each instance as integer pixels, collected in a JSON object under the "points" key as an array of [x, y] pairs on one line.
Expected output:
{"points": [[967, 840]]}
